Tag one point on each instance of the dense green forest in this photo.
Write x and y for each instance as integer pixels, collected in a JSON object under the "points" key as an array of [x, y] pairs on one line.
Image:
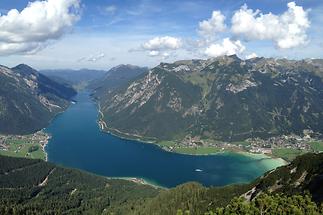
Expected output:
{"points": [[37, 187], [267, 204]]}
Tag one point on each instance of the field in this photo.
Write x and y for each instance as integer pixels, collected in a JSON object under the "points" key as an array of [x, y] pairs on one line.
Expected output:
{"points": [[317, 146], [18, 149], [167, 143], [197, 150], [28, 146], [242, 143], [287, 154]]}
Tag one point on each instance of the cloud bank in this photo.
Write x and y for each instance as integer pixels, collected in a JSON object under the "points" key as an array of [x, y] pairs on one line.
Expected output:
{"points": [[31, 29], [161, 46], [227, 47], [287, 30], [216, 37]]}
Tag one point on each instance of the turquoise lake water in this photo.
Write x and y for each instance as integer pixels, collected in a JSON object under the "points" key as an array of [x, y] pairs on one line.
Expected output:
{"points": [[77, 142]]}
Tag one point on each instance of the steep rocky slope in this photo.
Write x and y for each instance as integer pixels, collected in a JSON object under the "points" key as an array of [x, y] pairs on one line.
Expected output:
{"points": [[29, 100], [225, 98], [114, 78]]}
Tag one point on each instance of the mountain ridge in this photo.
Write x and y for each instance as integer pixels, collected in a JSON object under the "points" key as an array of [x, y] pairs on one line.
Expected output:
{"points": [[29, 100], [224, 98]]}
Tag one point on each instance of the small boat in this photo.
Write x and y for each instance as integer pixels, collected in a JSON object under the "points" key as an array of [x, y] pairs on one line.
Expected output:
{"points": [[198, 170]]}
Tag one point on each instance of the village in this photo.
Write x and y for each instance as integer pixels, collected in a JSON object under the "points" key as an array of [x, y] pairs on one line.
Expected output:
{"points": [[32, 145], [309, 142]]}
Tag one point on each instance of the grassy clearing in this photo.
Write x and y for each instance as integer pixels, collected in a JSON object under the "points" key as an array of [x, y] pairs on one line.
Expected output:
{"points": [[242, 143], [288, 154], [19, 148], [317, 146], [202, 81], [198, 150], [167, 143]]}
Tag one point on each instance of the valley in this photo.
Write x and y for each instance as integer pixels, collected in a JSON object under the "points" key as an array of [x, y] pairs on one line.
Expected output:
{"points": [[105, 154], [152, 169], [152, 107]]}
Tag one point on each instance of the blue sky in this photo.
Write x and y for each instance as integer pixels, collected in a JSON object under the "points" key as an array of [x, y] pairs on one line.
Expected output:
{"points": [[107, 33]]}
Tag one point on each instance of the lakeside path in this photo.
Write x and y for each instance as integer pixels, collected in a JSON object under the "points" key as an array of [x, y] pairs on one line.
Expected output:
{"points": [[140, 181], [43, 145]]}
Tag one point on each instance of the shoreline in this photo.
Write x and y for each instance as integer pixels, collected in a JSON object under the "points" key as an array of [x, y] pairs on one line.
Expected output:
{"points": [[140, 181], [104, 128], [48, 137]]}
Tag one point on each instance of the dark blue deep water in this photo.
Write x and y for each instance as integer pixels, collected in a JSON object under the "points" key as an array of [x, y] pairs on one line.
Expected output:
{"points": [[78, 142]]}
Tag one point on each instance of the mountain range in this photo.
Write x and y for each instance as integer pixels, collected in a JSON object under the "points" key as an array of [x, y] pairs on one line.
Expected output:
{"points": [[224, 98], [29, 100], [77, 78]]}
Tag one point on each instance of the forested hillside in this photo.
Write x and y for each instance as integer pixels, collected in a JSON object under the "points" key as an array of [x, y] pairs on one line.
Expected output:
{"points": [[114, 78], [224, 98], [37, 187]]}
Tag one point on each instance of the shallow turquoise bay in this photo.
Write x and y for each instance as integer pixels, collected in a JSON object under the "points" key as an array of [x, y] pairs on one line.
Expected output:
{"points": [[78, 142]]}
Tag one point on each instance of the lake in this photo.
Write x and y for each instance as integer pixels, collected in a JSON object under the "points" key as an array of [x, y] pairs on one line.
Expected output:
{"points": [[78, 142]]}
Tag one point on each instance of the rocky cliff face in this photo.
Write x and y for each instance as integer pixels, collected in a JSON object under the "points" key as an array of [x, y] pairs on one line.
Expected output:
{"points": [[224, 98]]}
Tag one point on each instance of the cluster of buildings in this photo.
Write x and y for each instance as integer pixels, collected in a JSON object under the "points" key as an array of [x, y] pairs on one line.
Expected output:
{"points": [[39, 137], [254, 145], [291, 141]]}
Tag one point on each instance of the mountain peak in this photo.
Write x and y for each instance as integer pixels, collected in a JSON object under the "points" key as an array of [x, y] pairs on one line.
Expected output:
{"points": [[227, 59], [23, 66], [125, 66], [24, 70]]}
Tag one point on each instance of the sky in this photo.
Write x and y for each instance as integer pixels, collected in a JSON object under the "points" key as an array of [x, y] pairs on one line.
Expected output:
{"points": [[100, 34]]}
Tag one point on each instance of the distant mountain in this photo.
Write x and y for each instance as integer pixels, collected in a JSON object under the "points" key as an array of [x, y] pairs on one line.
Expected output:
{"points": [[77, 78], [36, 187], [29, 100], [224, 98], [116, 77]]}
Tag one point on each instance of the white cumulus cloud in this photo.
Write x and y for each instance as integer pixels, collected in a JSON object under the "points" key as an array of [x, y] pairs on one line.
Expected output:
{"points": [[209, 28], [161, 46], [163, 43], [27, 31], [250, 56], [287, 30], [227, 47]]}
